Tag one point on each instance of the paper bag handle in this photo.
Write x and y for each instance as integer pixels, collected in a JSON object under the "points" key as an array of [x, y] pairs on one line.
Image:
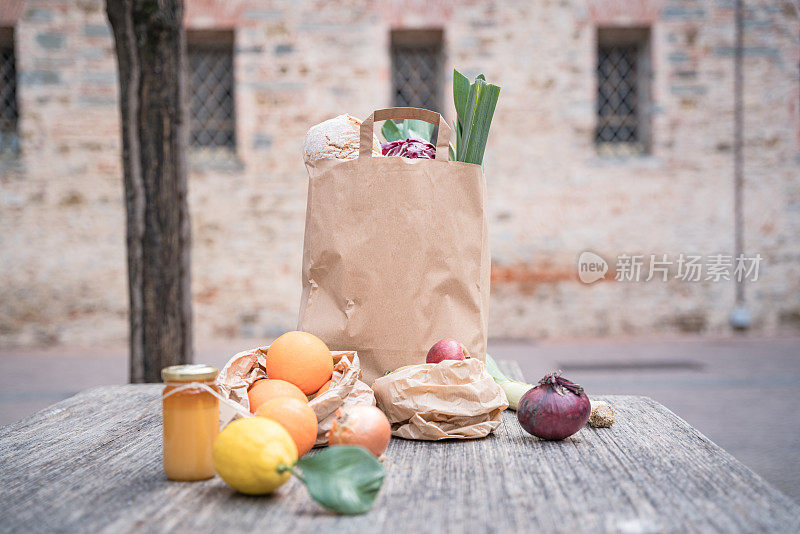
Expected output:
{"points": [[442, 141]]}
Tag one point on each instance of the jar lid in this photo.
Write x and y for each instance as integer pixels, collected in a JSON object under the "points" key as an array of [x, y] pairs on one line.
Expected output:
{"points": [[189, 372]]}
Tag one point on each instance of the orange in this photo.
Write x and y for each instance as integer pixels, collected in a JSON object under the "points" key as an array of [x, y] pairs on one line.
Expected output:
{"points": [[296, 416], [302, 359], [325, 387], [269, 388]]}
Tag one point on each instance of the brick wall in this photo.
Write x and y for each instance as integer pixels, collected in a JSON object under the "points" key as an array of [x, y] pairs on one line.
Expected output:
{"points": [[63, 273]]}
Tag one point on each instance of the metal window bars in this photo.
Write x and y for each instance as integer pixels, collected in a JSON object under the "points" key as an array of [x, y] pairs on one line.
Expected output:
{"points": [[619, 128], [212, 132], [9, 137], [417, 75]]}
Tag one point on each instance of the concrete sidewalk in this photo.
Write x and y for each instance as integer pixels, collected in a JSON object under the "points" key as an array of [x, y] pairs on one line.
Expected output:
{"points": [[740, 392]]}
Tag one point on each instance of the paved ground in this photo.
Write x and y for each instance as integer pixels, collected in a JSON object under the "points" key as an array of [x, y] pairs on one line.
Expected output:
{"points": [[740, 392]]}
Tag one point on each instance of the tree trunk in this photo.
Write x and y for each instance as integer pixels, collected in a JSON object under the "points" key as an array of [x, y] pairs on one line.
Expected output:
{"points": [[151, 53]]}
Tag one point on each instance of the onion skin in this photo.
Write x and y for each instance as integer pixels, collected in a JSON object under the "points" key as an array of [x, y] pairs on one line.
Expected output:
{"points": [[363, 425], [555, 409]]}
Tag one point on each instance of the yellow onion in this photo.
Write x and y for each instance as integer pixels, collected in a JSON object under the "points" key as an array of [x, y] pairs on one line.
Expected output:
{"points": [[362, 425]]}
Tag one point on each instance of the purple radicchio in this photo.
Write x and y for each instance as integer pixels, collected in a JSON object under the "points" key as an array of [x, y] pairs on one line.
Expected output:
{"points": [[409, 148]]}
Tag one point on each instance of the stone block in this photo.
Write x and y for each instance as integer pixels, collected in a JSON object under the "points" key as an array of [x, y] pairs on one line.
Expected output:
{"points": [[39, 77], [50, 40], [97, 30]]}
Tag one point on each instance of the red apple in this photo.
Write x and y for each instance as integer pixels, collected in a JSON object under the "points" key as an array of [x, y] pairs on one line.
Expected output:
{"points": [[447, 349]]}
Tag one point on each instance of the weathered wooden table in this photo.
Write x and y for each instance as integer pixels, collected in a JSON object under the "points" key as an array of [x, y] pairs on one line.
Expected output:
{"points": [[92, 463]]}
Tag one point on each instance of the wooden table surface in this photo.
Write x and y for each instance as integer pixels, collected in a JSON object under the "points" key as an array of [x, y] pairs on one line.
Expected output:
{"points": [[92, 463]]}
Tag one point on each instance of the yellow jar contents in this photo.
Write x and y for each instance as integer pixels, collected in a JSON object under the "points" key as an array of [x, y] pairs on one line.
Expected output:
{"points": [[191, 422]]}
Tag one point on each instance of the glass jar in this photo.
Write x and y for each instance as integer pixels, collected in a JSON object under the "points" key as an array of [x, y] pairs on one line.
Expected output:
{"points": [[191, 422]]}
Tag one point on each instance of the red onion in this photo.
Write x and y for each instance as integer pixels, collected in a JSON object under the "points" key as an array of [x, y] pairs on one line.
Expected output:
{"points": [[409, 148], [555, 409], [447, 349]]}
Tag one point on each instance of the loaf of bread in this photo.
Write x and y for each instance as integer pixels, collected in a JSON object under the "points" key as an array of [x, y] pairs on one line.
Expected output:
{"points": [[336, 138]]}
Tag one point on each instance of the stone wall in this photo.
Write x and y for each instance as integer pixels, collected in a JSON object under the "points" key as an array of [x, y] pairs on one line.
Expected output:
{"points": [[62, 258]]}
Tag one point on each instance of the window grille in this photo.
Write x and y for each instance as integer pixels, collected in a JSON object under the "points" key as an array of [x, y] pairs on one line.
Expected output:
{"points": [[212, 112], [417, 68], [622, 92], [9, 138]]}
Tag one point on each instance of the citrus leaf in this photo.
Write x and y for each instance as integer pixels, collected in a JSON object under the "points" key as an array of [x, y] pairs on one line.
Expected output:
{"points": [[343, 478]]}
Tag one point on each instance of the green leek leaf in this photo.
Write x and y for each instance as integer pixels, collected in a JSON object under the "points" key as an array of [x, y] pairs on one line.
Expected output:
{"points": [[482, 120], [454, 148], [469, 117], [461, 88], [475, 104], [460, 92], [494, 371]]}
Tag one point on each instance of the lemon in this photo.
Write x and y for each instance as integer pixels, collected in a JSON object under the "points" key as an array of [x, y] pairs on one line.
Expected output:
{"points": [[248, 453]]}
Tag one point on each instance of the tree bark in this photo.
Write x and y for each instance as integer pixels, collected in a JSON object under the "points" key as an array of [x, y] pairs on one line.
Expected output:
{"points": [[151, 52]]}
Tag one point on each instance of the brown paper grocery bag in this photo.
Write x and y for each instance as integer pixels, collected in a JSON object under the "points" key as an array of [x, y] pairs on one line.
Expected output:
{"points": [[396, 252]]}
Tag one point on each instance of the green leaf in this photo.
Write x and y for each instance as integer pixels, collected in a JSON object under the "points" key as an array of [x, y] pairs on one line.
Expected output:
{"points": [[343, 478], [475, 104], [391, 132], [410, 128], [421, 129], [461, 89], [460, 93], [494, 371], [469, 116], [454, 148], [481, 121]]}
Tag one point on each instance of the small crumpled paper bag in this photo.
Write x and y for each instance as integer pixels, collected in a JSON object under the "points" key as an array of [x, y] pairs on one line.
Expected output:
{"points": [[450, 399], [346, 387]]}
